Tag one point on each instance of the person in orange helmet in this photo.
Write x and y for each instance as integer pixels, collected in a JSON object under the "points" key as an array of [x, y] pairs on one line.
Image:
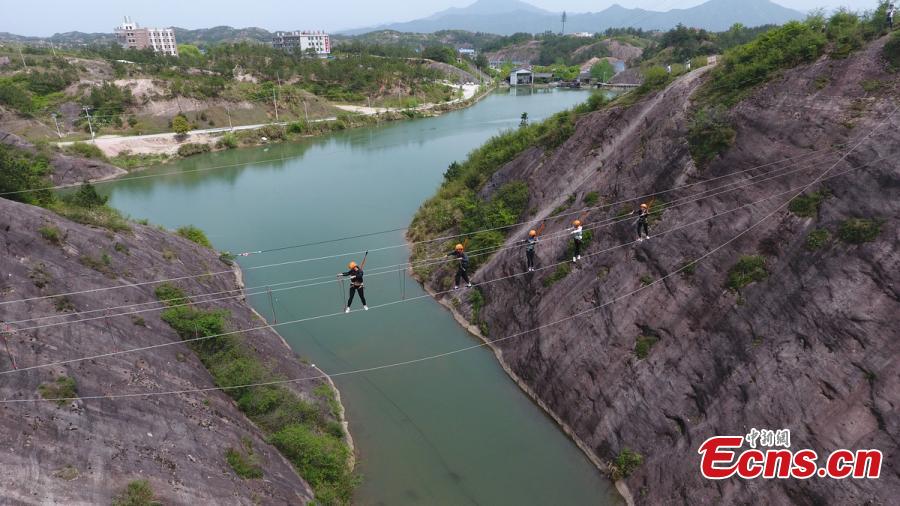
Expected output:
{"points": [[462, 267], [643, 214], [356, 283], [578, 236], [530, 243]]}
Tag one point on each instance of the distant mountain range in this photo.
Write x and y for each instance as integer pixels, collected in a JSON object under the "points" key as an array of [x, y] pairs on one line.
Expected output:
{"points": [[506, 17]]}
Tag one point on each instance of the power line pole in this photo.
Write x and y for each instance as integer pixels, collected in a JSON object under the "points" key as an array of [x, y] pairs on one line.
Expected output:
{"points": [[87, 112], [23, 58], [275, 101], [305, 111], [228, 113], [563, 23], [57, 125]]}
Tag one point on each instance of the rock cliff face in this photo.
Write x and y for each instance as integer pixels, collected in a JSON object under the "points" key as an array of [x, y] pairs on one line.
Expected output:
{"points": [[68, 170], [85, 452], [813, 347]]}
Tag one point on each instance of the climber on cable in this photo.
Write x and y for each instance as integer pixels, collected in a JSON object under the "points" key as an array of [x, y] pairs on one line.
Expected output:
{"points": [[462, 266], [643, 213], [356, 283], [577, 235], [530, 243]]}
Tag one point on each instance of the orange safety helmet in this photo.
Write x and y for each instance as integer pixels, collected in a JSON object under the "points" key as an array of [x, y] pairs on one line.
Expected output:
{"points": [[532, 233], [644, 206], [459, 247], [576, 223], [351, 265]]}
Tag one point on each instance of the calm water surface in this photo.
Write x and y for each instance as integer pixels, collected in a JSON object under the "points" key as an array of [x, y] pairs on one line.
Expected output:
{"points": [[449, 431]]}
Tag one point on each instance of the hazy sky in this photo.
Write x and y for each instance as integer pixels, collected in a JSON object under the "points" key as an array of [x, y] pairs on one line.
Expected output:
{"points": [[46, 17]]}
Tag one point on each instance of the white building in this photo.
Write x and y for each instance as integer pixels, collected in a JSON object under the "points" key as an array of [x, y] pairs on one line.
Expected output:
{"points": [[302, 42], [132, 36], [466, 51]]}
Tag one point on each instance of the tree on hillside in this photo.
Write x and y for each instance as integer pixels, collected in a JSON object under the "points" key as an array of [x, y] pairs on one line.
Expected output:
{"points": [[603, 71], [180, 125]]}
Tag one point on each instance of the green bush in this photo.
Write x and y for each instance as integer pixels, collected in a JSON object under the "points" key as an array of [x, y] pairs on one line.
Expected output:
{"points": [[627, 461], [320, 458], [15, 96], [21, 171], [562, 270], [298, 127], [194, 234], [227, 141], [87, 197], [891, 51], [816, 239], [243, 465], [710, 133], [591, 198], [746, 66], [137, 493], [807, 205], [748, 269], [297, 428], [844, 32], [170, 294], [61, 389], [191, 149], [51, 234], [643, 344], [85, 150], [180, 125], [859, 231]]}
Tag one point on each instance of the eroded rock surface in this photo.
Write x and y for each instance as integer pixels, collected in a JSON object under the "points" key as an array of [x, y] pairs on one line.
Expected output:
{"points": [[813, 348]]}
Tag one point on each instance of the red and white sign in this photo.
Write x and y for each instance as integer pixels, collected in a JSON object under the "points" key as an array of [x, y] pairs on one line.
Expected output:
{"points": [[721, 457]]}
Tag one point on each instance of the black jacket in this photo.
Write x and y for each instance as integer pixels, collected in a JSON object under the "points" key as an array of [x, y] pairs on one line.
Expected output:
{"points": [[356, 276], [462, 257]]}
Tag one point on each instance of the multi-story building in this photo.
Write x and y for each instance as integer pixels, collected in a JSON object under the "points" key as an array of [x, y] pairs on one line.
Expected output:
{"points": [[162, 40], [303, 42]]}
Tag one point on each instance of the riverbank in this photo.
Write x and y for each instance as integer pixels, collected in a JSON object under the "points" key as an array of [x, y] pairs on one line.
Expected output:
{"points": [[604, 467], [169, 144], [341, 411]]}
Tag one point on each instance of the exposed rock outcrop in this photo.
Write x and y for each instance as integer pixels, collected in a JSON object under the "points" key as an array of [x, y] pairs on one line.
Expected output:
{"points": [[812, 348], [85, 452], [68, 169]]}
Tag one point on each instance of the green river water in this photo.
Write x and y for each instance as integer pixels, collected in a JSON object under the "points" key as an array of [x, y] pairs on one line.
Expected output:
{"points": [[455, 430]]}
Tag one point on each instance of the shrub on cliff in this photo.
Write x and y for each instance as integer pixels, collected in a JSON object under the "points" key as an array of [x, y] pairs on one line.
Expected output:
{"points": [[710, 134], [627, 461], [62, 388], [243, 463], [21, 170], [891, 51], [749, 269], [859, 231], [807, 204], [137, 493], [194, 234]]}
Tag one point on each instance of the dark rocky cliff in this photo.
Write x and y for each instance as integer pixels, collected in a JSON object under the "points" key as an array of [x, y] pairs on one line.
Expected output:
{"points": [[813, 347], [85, 452]]}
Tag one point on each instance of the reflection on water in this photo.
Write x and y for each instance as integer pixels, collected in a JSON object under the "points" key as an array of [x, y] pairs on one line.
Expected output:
{"points": [[449, 431]]}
